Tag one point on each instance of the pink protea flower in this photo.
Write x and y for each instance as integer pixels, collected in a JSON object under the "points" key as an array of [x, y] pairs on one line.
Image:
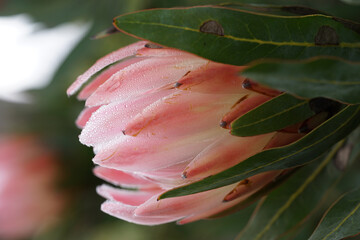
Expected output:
{"points": [[29, 202], [152, 115]]}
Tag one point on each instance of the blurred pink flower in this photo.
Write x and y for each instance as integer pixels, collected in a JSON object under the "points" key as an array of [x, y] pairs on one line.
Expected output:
{"points": [[152, 115], [29, 202]]}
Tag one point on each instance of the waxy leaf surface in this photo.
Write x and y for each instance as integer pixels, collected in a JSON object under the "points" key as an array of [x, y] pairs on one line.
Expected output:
{"points": [[342, 220], [332, 78], [275, 114], [238, 37], [292, 202]]}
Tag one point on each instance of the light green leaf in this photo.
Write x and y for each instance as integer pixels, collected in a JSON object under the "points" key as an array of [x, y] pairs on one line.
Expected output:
{"points": [[332, 78], [238, 37]]}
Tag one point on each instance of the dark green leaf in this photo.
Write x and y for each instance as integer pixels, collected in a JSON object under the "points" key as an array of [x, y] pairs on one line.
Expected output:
{"points": [[342, 220], [305, 228], [328, 186], [300, 152], [238, 37], [332, 7], [278, 113], [333, 78], [275, 9], [288, 205]]}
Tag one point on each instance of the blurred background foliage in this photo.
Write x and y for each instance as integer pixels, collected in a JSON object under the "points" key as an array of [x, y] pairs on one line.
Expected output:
{"points": [[52, 115]]}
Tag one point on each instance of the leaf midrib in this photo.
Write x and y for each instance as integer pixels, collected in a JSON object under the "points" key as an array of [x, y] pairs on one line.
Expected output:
{"points": [[249, 40], [333, 82], [343, 221], [300, 190], [272, 116]]}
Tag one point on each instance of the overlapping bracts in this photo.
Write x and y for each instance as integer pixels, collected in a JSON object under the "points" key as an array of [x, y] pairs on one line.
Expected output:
{"points": [[158, 118]]}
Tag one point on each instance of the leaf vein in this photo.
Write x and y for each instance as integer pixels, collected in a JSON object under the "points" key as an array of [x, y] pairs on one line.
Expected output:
{"points": [[343, 221], [334, 82], [300, 190], [274, 115], [300, 150], [259, 41]]}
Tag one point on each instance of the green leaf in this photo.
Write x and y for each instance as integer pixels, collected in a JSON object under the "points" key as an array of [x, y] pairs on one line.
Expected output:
{"points": [[306, 199], [333, 7], [275, 114], [304, 230], [342, 220], [274, 9], [238, 37], [300, 152], [332, 78], [288, 205]]}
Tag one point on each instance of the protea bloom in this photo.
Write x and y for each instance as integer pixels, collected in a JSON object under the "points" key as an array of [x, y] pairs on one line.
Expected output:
{"points": [[29, 201], [152, 115]]}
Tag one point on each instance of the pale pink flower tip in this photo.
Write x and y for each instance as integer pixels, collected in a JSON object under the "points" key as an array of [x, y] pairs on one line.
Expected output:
{"points": [[29, 202], [158, 118]]}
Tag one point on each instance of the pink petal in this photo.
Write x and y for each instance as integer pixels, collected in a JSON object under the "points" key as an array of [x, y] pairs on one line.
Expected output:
{"points": [[28, 201], [240, 193], [214, 78], [252, 184], [85, 115], [225, 153], [162, 52], [123, 179], [263, 90], [104, 76], [179, 207], [218, 208], [143, 76], [129, 197], [246, 104], [181, 113], [147, 153], [103, 62], [282, 139], [110, 120], [168, 177], [126, 212]]}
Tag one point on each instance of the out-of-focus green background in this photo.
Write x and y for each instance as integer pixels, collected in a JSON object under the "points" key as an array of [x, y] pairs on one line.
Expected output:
{"points": [[52, 115]]}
